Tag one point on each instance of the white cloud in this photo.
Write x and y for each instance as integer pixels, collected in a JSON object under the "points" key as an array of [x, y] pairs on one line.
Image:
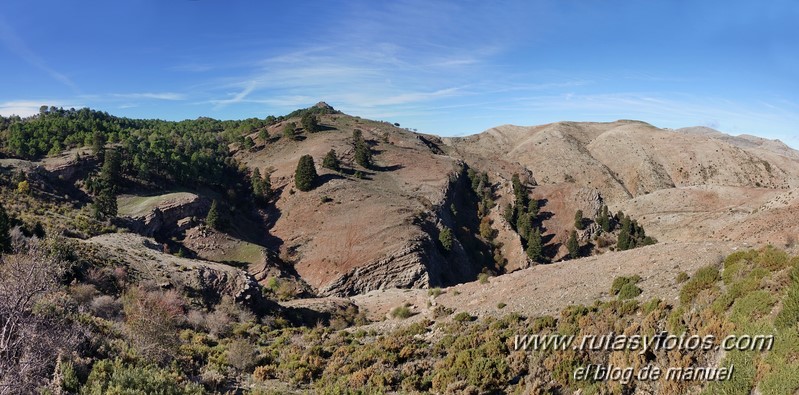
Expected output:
{"points": [[26, 108]]}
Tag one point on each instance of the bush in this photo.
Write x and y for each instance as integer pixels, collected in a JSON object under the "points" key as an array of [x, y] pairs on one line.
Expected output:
{"points": [[789, 315], [546, 321], [483, 278], [621, 281], [401, 312], [703, 279], [463, 317], [629, 291], [434, 292], [116, 377], [681, 277]]}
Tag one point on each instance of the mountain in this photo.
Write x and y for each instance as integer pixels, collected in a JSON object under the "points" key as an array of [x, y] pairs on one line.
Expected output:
{"points": [[201, 256]]}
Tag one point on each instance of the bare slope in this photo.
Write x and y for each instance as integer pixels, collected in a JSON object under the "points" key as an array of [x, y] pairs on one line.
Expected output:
{"points": [[691, 184], [628, 158]]}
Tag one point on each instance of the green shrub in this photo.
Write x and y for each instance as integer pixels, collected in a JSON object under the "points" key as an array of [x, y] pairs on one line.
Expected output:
{"points": [[434, 292], [401, 312], [542, 322], [463, 317], [109, 377], [789, 315], [651, 305], [629, 291], [620, 281], [681, 277], [703, 279], [483, 278], [752, 306]]}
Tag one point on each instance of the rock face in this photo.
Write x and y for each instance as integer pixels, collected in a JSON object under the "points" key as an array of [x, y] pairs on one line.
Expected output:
{"points": [[404, 268], [162, 215], [69, 168]]}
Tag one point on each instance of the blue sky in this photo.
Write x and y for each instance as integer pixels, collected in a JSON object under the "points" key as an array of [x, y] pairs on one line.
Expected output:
{"points": [[444, 67]]}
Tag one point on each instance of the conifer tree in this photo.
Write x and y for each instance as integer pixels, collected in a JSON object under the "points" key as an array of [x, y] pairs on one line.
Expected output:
{"points": [[523, 224], [534, 245], [288, 130], [255, 180], [445, 237], [331, 161], [603, 219], [263, 134], [111, 172], [510, 214], [310, 123], [5, 231], [573, 245], [305, 175], [532, 207], [98, 145], [212, 219], [105, 204], [623, 242], [363, 154]]}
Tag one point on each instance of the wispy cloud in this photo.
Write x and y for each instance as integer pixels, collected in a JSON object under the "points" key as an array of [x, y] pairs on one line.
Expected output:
{"points": [[16, 45], [151, 95], [26, 108]]}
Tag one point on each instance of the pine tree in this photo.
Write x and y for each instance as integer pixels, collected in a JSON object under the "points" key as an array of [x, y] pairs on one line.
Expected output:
{"points": [[578, 220], [212, 219], [310, 123], [603, 219], [257, 185], [523, 224], [623, 242], [98, 145], [111, 172], [510, 214], [573, 245], [532, 207], [534, 246], [105, 204], [305, 175], [263, 134], [519, 192], [5, 231], [288, 130], [445, 237], [363, 154], [331, 161]]}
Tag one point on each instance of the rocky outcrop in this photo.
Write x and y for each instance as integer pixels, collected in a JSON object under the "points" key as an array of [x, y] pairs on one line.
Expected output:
{"points": [[70, 169], [172, 213], [203, 282], [404, 268]]}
